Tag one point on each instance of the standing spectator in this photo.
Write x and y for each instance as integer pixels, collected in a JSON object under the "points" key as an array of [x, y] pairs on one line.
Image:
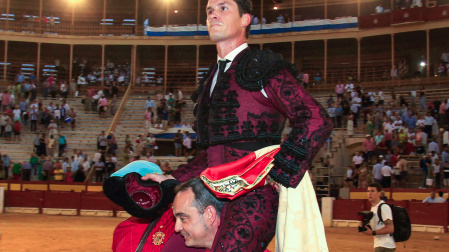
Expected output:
{"points": [[149, 103], [424, 163], [188, 145], [72, 115], [437, 173], [101, 141], [110, 167], [387, 172], [17, 129], [62, 144], [52, 128], [178, 143], [51, 146], [377, 170], [433, 146], [58, 173], [47, 167], [349, 177], [16, 171], [37, 142], [151, 144], [26, 171], [99, 170], [34, 161], [112, 143], [148, 119], [368, 147], [357, 160], [402, 165], [6, 162]]}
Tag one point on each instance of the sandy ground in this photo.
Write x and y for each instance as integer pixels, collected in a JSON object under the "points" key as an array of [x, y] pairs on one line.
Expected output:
{"points": [[44, 233]]}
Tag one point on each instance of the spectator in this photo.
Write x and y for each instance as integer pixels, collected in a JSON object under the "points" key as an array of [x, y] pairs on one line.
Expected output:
{"points": [[430, 199], [17, 130], [178, 143], [369, 146], [51, 146], [16, 171], [437, 173], [357, 160], [6, 163], [62, 144], [377, 170], [148, 119], [387, 172], [440, 199], [151, 144], [47, 167], [102, 142], [402, 165], [58, 173], [99, 170], [188, 145]]}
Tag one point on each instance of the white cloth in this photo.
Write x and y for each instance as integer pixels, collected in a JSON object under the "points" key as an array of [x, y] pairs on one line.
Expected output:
{"points": [[299, 225]]}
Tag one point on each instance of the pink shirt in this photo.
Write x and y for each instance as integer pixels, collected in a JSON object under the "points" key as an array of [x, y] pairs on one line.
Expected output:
{"points": [[305, 78], [442, 108], [369, 145], [103, 102], [6, 99]]}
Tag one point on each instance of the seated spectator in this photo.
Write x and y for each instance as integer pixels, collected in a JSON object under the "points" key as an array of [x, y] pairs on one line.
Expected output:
{"points": [[440, 199], [430, 199]]}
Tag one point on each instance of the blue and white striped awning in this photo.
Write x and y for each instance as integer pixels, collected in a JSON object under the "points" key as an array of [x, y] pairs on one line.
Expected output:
{"points": [[298, 26]]}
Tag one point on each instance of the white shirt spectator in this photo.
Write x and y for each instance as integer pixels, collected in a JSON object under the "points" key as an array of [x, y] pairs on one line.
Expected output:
{"points": [[439, 200], [187, 143], [379, 9], [387, 171], [357, 160], [349, 87]]}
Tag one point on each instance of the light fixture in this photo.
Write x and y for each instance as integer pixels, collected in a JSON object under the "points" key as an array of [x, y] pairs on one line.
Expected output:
{"points": [[275, 7], [176, 11], [423, 64]]}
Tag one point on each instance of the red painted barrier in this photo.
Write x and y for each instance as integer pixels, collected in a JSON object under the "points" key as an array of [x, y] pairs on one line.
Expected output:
{"points": [[407, 15], [429, 214], [96, 201], [348, 209], [65, 200], [24, 199]]}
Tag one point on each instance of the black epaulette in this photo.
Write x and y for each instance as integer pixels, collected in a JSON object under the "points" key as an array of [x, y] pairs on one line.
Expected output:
{"points": [[257, 67]]}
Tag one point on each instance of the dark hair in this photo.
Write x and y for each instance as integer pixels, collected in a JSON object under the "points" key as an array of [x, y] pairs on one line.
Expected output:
{"points": [[203, 197], [378, 187], [440, 193], [245, 6]]}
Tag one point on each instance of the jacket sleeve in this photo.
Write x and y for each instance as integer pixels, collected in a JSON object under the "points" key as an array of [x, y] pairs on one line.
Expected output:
{"points": [[310, 123]]}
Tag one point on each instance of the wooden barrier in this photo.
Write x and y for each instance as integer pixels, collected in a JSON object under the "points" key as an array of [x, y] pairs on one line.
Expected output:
{"points": [[60, 202], [348, 209]]}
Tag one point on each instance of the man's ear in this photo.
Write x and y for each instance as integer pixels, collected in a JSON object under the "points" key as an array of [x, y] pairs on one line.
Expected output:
{"points": [[246, 19], [210, 215]]}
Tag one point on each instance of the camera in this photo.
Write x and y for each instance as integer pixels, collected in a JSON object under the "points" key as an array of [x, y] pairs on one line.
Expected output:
{"points": [[365, 217]]}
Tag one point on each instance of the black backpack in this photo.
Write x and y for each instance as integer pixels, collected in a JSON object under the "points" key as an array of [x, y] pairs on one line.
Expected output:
{"points": [[401, 222]]}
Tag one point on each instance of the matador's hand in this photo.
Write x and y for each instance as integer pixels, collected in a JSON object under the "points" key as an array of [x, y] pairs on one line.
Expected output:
{"points": [[157, 177]]}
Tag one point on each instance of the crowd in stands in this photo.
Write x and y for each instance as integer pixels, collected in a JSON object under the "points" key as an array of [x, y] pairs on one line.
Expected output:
{"points": [[393, 128], [165, 112], [90, 74], [399, 4]]}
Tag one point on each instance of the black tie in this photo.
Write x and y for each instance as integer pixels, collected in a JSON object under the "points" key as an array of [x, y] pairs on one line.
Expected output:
{"points": [[221, 68]]}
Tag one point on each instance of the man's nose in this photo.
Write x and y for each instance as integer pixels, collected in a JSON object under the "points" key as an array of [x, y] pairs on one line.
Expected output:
{"points": [[178, 226]]}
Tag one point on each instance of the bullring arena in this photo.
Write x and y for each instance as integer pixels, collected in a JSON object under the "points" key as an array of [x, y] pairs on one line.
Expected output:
{"points": [[111, 81], [23, 233]]}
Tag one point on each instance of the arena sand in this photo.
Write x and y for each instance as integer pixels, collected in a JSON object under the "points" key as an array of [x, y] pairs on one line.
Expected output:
{"points": [[44, 233]]}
